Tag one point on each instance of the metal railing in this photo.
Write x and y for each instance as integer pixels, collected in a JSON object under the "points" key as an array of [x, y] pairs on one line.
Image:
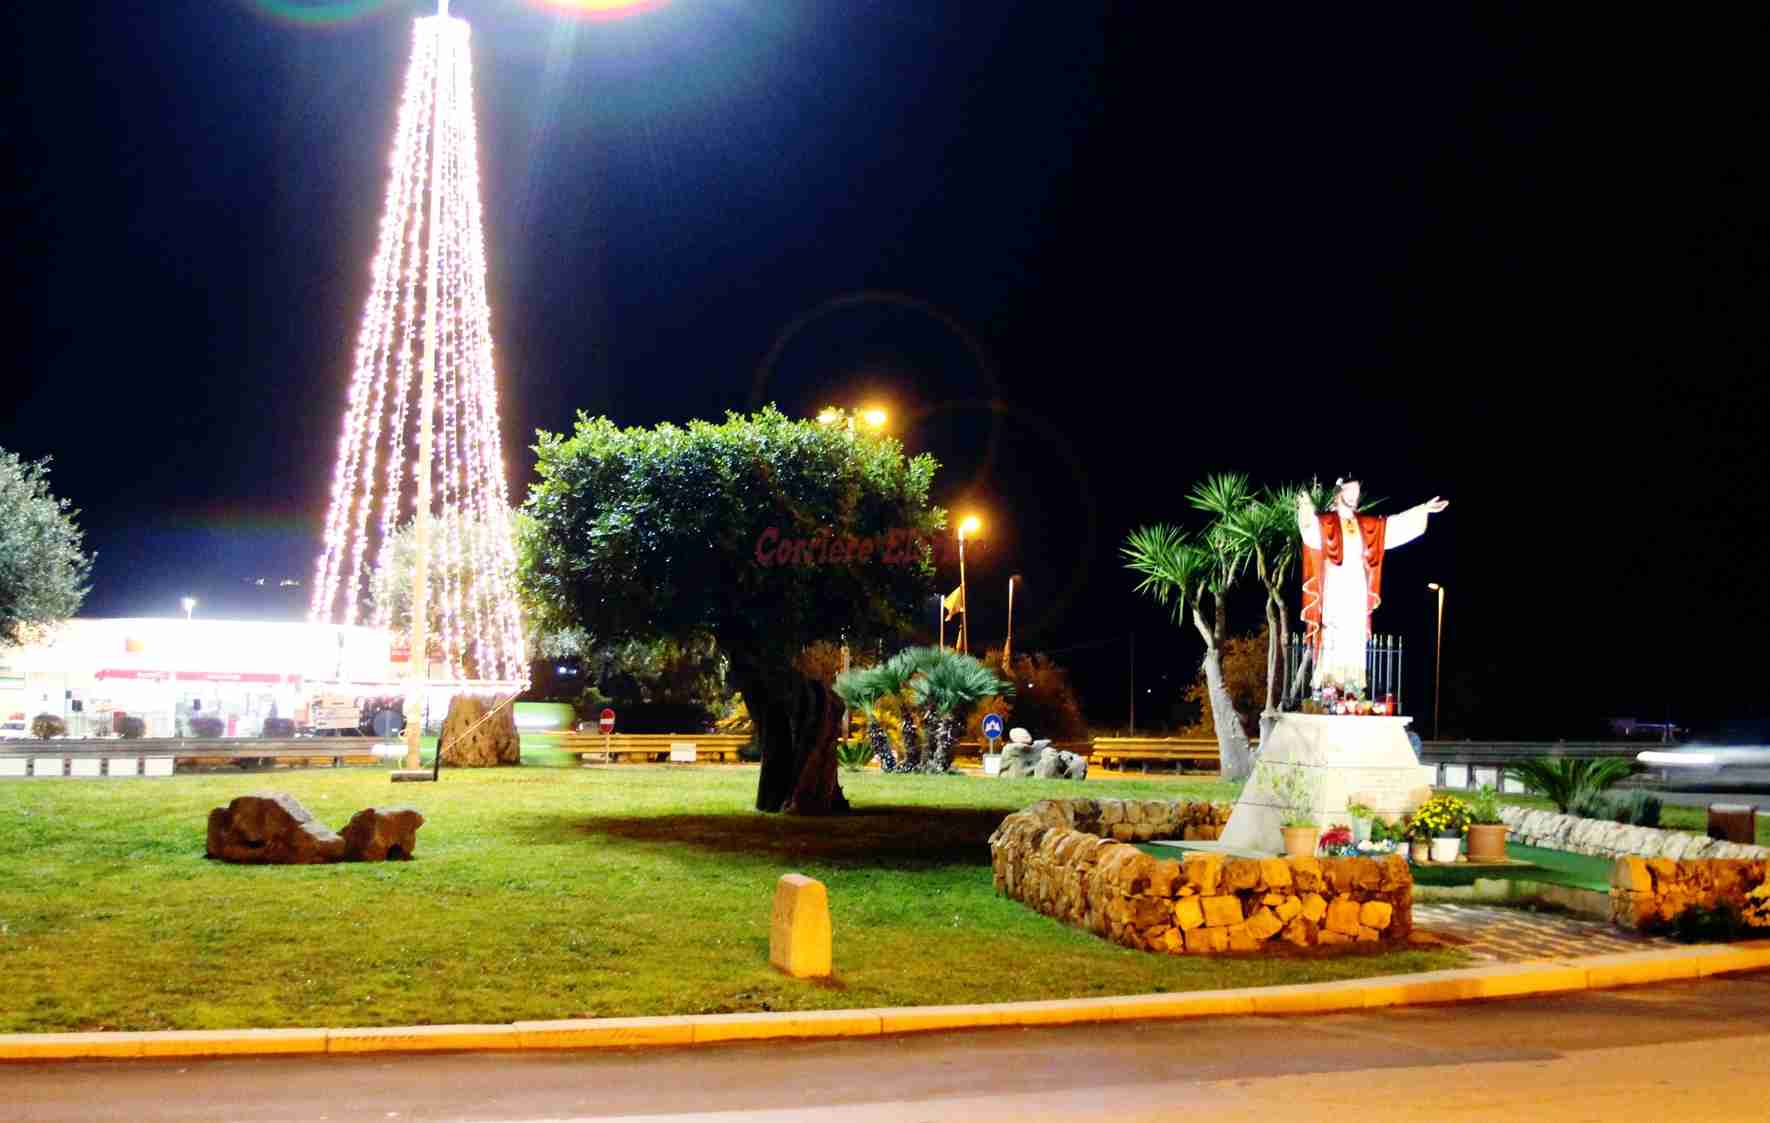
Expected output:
{"points": [[1383, 661]]}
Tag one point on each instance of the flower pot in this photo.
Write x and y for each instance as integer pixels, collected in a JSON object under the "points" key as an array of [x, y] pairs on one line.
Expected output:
{"points": [[1361, 829], [1445, 849], [1487, 842], [1299, 842], [1420, 850]]}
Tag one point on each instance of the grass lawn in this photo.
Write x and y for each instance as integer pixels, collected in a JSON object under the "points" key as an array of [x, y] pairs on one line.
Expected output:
{"points": [[543, 892]]}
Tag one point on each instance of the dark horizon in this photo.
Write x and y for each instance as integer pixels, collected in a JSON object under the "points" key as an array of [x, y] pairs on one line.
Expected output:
{"points": [[1085, 254]]}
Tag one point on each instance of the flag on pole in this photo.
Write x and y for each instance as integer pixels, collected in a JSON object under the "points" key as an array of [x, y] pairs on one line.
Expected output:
{"points": [[953, 603]]}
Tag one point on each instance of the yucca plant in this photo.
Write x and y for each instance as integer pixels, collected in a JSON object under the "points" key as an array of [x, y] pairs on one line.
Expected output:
{"points": [[945, 687], [863, 689], [1565, 781], [854, 755]]}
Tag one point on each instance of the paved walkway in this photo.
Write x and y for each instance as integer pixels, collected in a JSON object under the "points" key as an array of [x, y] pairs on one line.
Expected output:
{"points": [[1513, 935]]}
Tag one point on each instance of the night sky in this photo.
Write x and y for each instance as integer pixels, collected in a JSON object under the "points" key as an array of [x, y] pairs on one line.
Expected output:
{"points": [[1086, 253]]}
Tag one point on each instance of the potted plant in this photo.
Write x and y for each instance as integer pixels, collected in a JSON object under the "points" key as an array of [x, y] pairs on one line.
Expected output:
{"points": [[1419, 839], [1487, 831], [1361, 814], [1295, 791], [1442, 819]]}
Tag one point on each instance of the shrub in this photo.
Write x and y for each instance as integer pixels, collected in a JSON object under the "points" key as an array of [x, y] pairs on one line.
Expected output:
{"points": [[1591, 805], [278, 727], [45, 726], [1564, 780], [1044, 701], [131, 727], [206, 727], [854, 755]]}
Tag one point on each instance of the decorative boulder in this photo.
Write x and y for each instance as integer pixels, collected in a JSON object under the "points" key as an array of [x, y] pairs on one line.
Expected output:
{"points": [[1018, 759], [1055, 764], [1020, 736], [489, 743], [382, 834], [270, 828]]}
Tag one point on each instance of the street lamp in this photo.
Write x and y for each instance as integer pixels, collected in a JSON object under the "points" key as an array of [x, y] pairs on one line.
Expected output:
{"points": [[870, 416], [1008, 642], [1437, 655], [189, 603], [968, 528]]}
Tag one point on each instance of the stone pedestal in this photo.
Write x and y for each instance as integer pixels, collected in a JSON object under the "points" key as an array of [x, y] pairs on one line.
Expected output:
{"points": [[1364, 758]]}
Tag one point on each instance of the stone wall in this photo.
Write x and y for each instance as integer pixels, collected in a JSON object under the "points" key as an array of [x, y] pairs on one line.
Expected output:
{"points": [[1605, 839], [1651, 893], [1071, 859]]}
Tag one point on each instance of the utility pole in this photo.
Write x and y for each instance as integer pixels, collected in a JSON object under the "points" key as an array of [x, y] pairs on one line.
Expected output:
{"points": [[1133, 684]]}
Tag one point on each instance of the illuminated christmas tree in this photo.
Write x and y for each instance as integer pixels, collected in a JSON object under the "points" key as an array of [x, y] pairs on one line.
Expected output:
{"points": [[420, 441]]}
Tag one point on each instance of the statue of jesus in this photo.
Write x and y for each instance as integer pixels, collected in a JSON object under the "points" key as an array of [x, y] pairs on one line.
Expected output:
{"points": [[1343, 577]]}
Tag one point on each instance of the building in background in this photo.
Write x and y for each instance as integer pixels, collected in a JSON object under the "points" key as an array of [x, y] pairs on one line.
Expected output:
{"points": [[166, 671]]}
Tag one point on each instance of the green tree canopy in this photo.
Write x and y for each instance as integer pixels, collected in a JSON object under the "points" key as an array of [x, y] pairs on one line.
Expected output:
{"points": [[768, 534], [44, 572]]}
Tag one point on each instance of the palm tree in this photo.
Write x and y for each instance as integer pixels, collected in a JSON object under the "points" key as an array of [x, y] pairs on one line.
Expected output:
{"points": [[1563, 780], [945, 687], [901, 669], [863, 688], [1194, 572]]}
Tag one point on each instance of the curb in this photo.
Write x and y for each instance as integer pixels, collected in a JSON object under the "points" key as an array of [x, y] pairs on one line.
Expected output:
{"points": [[1516, 980]]}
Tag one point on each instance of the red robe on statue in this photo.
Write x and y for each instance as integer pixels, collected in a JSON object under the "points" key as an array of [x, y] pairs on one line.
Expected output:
{"points": [[1333, 551]]}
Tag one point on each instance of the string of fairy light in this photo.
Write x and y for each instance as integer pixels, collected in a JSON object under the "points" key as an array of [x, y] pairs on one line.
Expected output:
{"points": [[427, 325]]}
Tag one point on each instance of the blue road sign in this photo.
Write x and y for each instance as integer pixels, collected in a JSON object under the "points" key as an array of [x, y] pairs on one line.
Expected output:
{"points": [[992, 726]]}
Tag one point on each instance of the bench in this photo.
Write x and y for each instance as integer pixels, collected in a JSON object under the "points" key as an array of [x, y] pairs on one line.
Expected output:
{"points": [[680, 748], [1117, 753]]}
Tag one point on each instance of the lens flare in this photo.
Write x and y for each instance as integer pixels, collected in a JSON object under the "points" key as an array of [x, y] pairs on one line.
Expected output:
{"points": [[319, 13], [601, 9]]}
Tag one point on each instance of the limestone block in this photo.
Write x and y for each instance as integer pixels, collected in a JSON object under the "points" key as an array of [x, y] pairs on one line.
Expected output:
{"points": [[1241, 938], [1376, 914], [1172, 940], [1188, 914], [1264, 924], [1276, 873], [1342, 916], [1272, 900], [379, 834], [1367, 935], [799, 930], [1306, 873], [270, 828], [1290, 909], [1162, 878], [1220, 912], [1314, 908], [1203, 871], [1241, 873], [1300, 932], [1366, 874], [1200, 941], [1337, 873], [1325, 936]]}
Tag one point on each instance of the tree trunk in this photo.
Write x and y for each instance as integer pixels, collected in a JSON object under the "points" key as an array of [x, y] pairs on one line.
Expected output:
{"points": [[881, 742], [796, 725], [945, 737], [912, 752], [1235, 755]]}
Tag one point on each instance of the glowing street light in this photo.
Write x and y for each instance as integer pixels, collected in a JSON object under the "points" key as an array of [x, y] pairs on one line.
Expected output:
{"points": [[872, 417], [189, 603], [968, 528], [1437, 654]]}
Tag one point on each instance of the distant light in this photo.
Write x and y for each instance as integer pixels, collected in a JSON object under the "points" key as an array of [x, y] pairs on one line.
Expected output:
{"points": [[875, 418], [287, 583], [829, 416], [1433, 585], [969, 526], [603, 9]]}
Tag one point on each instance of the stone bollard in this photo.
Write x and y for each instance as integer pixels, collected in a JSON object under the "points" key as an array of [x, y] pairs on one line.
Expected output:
{"points": [[799, 933]]}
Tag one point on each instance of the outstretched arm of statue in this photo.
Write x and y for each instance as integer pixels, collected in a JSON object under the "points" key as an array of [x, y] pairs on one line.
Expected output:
{"points": [[1308, 525], [1411, 523]]}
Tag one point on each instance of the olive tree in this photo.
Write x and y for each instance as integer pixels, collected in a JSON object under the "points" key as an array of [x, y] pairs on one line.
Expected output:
{"points": [[44, 571]]}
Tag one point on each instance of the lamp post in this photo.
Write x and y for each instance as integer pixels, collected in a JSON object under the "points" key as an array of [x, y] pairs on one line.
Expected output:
{"points": [[968, 527], [188, 603], [1008, 642], [870, 416], [1437, 655]]}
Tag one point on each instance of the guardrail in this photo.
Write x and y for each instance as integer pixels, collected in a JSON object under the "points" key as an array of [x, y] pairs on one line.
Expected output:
{"points": [[157, 756], [1472, 764]]}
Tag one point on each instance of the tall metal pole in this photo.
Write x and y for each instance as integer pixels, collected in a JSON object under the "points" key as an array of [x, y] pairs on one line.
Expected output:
{"points": [[419, 662], [964, 644], [1133, 684], [1437, 662], [1008, 643]]}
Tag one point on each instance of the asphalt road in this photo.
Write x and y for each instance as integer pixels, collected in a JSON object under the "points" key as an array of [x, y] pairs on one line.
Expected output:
{"points": [[1680, 1051]]}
